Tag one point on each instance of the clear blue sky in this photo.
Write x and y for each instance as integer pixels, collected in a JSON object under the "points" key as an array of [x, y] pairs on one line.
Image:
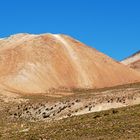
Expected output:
{"points": [[110, 26]]}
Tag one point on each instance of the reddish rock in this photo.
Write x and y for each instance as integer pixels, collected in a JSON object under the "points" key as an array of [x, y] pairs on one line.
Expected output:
{"points": [[38, 63]]}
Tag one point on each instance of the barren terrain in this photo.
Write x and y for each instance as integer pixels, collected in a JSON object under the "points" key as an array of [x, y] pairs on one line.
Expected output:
{"points": [[133, 61], [31, 64], [55, 87], [73, 116]]}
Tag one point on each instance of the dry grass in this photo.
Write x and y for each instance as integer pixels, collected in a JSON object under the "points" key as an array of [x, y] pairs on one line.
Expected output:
{"points": [[123, 123]]}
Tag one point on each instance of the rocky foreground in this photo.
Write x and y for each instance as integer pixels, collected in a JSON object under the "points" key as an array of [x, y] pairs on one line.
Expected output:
{"points": [[45, 108], [74, 117]]}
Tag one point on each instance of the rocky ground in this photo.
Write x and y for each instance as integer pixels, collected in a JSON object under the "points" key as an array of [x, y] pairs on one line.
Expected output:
{"points": [[40, 107], [114, 124], [42, 117]]}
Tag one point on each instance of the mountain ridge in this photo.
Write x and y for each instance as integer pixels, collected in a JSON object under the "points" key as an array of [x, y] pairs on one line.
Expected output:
{"points": [[38, 63], [133, 61]]}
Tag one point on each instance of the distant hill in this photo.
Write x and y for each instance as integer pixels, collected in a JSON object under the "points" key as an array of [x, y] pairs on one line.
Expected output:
{"points": [[133, 61]]}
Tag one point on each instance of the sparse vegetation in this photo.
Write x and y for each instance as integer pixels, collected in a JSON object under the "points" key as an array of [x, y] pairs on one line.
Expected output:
{"points": [[123, 123]]}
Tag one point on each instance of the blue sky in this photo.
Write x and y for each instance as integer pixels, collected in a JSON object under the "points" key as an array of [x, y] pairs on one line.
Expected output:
{"points": [[110, 26]]}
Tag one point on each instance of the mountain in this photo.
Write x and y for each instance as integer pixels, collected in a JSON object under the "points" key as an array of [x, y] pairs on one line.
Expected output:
{"points": [[133, 61], [40, 63]]}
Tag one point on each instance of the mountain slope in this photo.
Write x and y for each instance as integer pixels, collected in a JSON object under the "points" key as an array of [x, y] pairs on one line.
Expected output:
{"points": [[133, 61], [38, 63]]}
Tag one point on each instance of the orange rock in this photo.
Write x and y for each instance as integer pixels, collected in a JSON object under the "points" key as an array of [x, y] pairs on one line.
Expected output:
{"points": [[38, 63]]}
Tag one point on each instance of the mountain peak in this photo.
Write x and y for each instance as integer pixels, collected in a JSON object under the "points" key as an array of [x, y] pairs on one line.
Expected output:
{"points": [[37, 63]]}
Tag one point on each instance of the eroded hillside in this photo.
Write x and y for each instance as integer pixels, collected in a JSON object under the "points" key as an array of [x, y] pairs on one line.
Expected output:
{"points": [[31, 64]]}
